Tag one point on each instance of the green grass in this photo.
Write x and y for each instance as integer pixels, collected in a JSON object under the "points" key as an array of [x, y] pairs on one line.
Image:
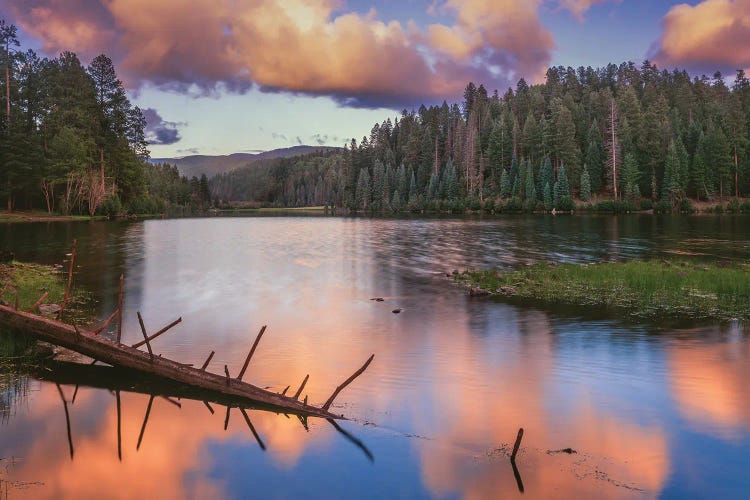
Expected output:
{"points": [[289, 209], [40, 216], [30, 281], [642, 289]]}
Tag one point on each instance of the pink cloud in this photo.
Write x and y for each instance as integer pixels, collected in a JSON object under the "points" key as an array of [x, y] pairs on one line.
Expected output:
{"points": [[713, 34], [301, 46]]}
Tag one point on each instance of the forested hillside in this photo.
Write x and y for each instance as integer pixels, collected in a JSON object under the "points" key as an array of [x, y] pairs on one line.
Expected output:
{"points": [[197, 165], [636, 135]]}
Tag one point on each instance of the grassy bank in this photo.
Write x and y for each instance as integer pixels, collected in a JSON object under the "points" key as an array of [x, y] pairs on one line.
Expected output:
{"points": [[642, 289], [34, 216]]}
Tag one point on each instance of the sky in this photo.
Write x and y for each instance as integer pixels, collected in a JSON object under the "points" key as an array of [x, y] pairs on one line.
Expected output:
{"points": [[225, 76]]}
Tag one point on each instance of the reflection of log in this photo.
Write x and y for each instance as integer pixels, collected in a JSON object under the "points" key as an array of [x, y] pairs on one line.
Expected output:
{"points": [[252, 429], [67, 420], [517, 475], [119, 427], [145, 421], [226, 419], [359, 444], [107, 351]]}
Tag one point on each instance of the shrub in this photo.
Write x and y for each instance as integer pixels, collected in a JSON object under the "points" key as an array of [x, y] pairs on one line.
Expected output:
{"points": [[474, 204], [513, 205], [647, 204], [733, 207], [745, 207], [111, 207], [663, 207], [489, 205], [566, 203], [686, 206], [615, 206]]}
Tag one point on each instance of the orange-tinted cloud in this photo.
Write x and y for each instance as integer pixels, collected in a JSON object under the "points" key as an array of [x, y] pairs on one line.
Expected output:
{"points": [[301, 46], [710, 385], [501, 34], [579, 7], [712, 34]]}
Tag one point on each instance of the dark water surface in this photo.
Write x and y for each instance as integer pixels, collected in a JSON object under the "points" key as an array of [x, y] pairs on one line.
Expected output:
{"points": [[652, 411]]}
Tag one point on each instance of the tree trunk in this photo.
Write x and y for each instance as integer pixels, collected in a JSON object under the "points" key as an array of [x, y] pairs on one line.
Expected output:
{"points": [[101, 163], [736, 174], [614, 148], [7, 88]]}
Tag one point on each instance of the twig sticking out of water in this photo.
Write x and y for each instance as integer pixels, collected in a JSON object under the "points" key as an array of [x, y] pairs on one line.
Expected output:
{"points": [[517, 445]]}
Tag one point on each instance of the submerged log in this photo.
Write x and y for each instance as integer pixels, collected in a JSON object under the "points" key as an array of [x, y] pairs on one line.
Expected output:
{"points": [[118, 355]]}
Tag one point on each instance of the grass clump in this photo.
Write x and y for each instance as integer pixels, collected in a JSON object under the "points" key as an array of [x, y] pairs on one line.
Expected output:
{"points": [[30, 281], [642, 289]]}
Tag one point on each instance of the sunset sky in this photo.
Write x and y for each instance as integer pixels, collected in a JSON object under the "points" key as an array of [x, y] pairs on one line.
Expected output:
{"points": [[223, 76]]}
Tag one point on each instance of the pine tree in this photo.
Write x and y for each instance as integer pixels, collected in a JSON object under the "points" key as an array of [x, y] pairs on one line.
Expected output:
{"points": [[378, 186], [363, 197], [613, 150], [530, 190], [585, 185], [630, 179], [546, 173], [505, 185], [595, 157], [547, 194], [698, 176], [566, 148], [671, 189], [562, 191]]}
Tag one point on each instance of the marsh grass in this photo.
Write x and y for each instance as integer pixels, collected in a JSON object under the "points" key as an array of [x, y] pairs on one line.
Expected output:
{"points": [[30, 281], [644, 289]]}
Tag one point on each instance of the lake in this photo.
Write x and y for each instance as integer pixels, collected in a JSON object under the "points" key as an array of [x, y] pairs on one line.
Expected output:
{"points": [[652, 410]]}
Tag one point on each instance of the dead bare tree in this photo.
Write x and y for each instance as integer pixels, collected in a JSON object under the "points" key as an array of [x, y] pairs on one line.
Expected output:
{"points": [[613, 148]]}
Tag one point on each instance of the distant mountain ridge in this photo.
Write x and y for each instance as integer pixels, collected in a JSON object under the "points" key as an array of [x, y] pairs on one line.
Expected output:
{"points": [[196, 165]]}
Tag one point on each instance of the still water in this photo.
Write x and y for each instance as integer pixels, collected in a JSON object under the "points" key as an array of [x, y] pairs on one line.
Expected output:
{"points": [[652, 410]]}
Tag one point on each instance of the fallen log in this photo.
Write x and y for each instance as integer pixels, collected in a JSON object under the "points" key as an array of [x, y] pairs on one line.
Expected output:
{"points": [[119, 355]]}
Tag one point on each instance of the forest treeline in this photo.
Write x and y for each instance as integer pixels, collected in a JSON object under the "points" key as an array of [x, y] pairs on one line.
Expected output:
{"points": [[71, 141], [622, 136]]}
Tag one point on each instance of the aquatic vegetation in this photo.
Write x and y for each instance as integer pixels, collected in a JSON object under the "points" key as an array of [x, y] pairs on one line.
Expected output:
{"points": [[30, 281], [643, 289]]}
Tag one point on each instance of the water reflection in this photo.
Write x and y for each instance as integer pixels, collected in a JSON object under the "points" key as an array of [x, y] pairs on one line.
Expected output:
{"points": [[651, 410]]}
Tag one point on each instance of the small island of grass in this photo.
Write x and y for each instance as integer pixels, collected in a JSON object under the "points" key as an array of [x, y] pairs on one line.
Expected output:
{"points": [[641, 289]]}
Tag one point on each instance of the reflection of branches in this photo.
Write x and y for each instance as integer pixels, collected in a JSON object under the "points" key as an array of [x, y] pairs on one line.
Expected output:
{"points": [[517, 475], [67, 419], [359, 444], [118, 380]]}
